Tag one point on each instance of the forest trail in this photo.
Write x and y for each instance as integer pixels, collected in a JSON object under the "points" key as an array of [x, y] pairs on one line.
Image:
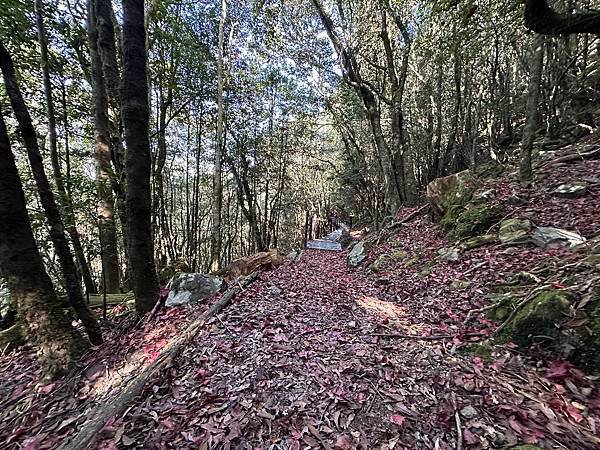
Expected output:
{"points": [[329, 242], [298, 360]]}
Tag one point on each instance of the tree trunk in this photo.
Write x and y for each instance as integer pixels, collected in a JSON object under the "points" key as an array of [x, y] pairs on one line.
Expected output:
{"points": [[136, 115], [215, 239], [109, 253], [107, 37], [46, 326], [64, 197], [533, 95], [57, 229]]}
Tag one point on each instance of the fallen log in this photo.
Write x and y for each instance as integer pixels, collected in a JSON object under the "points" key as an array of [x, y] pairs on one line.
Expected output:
{"points": [[592, 154], [438, 337], [118, 403], [408, 218], [249, 264]]}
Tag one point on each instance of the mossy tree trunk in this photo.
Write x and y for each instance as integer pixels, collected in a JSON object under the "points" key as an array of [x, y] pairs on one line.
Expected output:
{"points": [[46, 326]]}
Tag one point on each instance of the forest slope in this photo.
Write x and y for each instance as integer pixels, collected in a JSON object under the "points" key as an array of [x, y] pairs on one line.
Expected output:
{"points": [[392, 354]]}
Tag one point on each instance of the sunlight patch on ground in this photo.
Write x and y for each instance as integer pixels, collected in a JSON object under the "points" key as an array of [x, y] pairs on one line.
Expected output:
{"points": [[385, 310]]}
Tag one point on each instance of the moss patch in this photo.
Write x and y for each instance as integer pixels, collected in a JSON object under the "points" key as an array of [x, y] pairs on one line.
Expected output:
{"points": [[539, 320], [482, 349], [587, 346], [479, 241], [505, 304], [476, 219]]}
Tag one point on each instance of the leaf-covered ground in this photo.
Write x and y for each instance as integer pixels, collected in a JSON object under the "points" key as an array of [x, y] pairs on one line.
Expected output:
{"points": [[317, 355]]}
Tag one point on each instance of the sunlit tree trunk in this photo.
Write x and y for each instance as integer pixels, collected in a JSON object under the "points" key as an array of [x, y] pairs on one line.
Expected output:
{"points": [[215, 240], [102, 156], [31, 290], [136, 115], [57, 229]]}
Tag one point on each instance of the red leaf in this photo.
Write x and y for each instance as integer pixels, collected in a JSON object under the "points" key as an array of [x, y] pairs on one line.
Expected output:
{"points": [[558, 370], [397, 419], [48, 388], [469, 437], [574, 413]]}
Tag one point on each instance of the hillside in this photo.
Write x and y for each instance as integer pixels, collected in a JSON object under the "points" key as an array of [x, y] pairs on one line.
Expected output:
{"points": [[403, 351]]}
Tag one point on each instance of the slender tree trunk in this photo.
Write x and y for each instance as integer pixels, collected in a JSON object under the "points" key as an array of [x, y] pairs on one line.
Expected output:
{"points": [[57, 229], [109, 253], [107, 49], [215, 240], [136, 115], [31, 290], [533, 91], [65, 199]]}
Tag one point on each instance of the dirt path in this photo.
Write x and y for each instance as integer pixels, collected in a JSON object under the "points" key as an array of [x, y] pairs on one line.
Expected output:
{"points": [[293, 363]]}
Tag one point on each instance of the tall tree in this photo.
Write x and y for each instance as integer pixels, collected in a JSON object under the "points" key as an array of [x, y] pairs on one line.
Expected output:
{"points": [[56, 226], [136, 115], [45, 324], [63, 195], [102, 157], [215, 240], [536, 65]]}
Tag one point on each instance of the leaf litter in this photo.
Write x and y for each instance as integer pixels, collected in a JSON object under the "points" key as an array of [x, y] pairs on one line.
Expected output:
{"points": [[315, 355]]}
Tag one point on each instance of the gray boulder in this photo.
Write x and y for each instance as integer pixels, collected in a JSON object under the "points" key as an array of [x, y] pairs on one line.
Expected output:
{"points": [[571, 190], [544, 236], [186, 288], [448, 254], [357, 255]]}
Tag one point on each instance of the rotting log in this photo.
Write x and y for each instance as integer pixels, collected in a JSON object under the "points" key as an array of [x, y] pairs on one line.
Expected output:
{"points": [[250, 264], [119, 402]]}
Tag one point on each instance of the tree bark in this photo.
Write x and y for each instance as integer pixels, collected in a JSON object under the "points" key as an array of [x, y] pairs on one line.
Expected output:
{"points": [[539, 17], [136, 115], [64, 197], [57, 229], [215, 239], [107, 38], [47, 328], [109, 253], [533, 95]]}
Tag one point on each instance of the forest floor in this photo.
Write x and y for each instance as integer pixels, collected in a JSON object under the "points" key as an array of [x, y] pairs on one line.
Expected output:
{"points": [[317, 355]]}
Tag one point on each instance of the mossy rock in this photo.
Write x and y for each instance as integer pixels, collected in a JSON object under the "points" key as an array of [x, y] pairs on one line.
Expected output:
{"points": [[586, 353], [505, 304], [490, 170], [514, 231], [399, 255], [427, 268], [479, 241], [454, 190], [540, 318], [474, 220], [460, 285], [377, 265], [483, 350], [592, 260]]}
